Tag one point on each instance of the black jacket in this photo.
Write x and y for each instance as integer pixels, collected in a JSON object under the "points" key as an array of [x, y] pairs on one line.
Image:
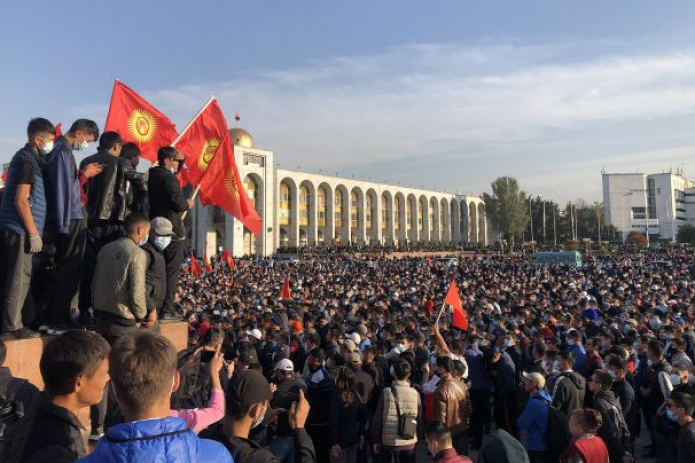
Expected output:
{"points": [[49, 433], [569, 391], [155, 278], [613, 430], [247, 451], [106, 192], [137, 197], [166, 198], [686, 443]]}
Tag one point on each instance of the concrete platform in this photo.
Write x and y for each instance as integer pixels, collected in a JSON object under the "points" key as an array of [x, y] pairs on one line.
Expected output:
{"points": [[23, 355]]}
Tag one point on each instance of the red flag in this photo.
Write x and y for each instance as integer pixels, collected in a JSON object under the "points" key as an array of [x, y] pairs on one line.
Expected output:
{"points": [[59, 130], [195, 266], [201, 140], [222, 186], [183, 177], [237, 116], [286, 294], [229, 260], [454, 300], [206, 262], [429, 262], [138, 121]]}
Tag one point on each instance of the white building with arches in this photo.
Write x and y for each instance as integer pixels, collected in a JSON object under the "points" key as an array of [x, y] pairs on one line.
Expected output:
{"points": [[304, 209]]}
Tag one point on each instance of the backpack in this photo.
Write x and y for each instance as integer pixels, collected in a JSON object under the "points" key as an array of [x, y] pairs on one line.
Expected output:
{"points": [[194, 390], [10, 410], [557, 433]]}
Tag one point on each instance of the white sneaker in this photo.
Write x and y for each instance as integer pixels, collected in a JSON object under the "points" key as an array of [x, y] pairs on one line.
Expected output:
{"points": [[44, 328], [56, 331], [95, 436]]}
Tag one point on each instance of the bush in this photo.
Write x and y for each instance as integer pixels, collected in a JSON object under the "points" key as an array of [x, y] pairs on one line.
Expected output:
{"points": [[637, 239]]}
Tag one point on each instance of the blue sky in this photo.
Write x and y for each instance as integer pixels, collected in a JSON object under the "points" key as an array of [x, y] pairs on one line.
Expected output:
{"points": [[441, 94]]}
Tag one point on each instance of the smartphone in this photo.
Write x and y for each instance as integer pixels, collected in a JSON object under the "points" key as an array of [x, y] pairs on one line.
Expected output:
{"points": [[206, 356]]}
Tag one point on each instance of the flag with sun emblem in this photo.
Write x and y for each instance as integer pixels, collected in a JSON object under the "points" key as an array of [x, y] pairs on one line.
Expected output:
{"points": [[138, 121], [200, 141], [221, 186]]}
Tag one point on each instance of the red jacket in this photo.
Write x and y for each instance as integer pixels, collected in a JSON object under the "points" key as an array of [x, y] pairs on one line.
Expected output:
{"points": [[592, 450], [450, 456]]}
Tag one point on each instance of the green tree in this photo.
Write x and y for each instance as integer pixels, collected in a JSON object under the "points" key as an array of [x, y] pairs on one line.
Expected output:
{"points": [[686, 234], [637, 239], [507, 207]]}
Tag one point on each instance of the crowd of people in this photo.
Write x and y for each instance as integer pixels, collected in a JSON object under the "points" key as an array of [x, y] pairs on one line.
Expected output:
{"points": [[361, 363]]}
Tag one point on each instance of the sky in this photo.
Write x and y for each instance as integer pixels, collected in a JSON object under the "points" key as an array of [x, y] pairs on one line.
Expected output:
{"points": [[446, 94]]}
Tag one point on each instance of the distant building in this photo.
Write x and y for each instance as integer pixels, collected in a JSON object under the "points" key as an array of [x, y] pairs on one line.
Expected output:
{"points": [[633, 202], [301, 209]]}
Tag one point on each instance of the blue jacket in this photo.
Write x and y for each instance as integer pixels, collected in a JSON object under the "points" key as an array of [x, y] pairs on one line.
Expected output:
{"points": [[534, 420], [150, 441], [9, 217], [63, 187], [476, 367], [579, 355]]}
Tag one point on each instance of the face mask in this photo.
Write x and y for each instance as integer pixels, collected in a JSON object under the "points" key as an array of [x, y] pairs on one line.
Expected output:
{"points": [[47, 147], [82, 146], [161, 242], [613, 374], [260, 419], [401, 347], [670, 415], [570, 342], [506, 343], [144, 240], [544, 365], [675, 380], [556, 365], [650, 363]]}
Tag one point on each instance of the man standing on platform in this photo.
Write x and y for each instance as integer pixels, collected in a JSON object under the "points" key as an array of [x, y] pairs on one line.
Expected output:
{"points": [[67, 226], [22, 216], [167, 200]]}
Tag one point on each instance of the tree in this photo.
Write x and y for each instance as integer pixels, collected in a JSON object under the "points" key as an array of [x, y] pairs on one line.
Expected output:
{"points": [[686, 234], [507, 207], [637, 239]]}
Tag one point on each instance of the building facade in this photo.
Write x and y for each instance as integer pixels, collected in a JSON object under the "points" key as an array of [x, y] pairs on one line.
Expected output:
{"points": [[657, 202], [301, 209]]}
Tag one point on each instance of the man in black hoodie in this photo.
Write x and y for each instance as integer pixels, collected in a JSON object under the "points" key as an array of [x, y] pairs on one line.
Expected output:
{"points": [[614, 430], [570, 386], [167, 200]]}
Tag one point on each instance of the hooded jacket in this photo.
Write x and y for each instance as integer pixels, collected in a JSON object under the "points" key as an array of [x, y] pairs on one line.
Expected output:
{"points": [[568, 392], [614, 427], [165, 439], [534, 420]]}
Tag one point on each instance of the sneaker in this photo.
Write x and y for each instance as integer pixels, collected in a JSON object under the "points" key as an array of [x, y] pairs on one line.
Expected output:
{"points": [[95, 436], [43, 328], [57, 330], [25, 333]]}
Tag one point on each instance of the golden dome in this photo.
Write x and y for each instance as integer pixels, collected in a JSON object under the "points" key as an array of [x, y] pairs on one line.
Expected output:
{"points": [[241, 137]]}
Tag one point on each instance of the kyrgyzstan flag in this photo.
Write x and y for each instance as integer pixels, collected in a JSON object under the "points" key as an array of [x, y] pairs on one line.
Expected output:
{"points": [[206, 262], [228, 259], [221, 185], [138, 121], [454, 300], [195, 266], [201, 140], [286, 294], [183, 177], [59, 130]]}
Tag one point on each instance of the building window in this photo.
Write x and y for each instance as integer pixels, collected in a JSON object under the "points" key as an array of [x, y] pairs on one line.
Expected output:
{"points": [[338, 209], [303, 206], [284, 204], [384, 213], [368, 213], [409, 215], [353, 210], [321, 206], [397, 213], [253, 159]]}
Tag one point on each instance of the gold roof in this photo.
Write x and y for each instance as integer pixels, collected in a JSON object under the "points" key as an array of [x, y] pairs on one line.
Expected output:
{"points": [[241, 137]]}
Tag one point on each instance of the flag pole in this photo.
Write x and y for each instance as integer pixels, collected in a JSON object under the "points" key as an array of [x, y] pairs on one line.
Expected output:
{"points": [[178, 138], [195, 193], [440, 313]]}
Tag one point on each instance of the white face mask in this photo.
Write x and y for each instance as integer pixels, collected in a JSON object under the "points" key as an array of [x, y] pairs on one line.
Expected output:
{"points": [[556, 365], [161, 242], [675, 380], [260, 419], [544, 365], [82, 146], [613, 374], [144, 240], [570, 342], [47, 148]]}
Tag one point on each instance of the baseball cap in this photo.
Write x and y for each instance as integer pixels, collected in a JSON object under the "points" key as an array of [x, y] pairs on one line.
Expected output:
{"points": [[161, 226], [247, 388], [354, 337], [362, 330], [256, 333], [354, 358], [350, 346], [536, 378], [285, 365]]}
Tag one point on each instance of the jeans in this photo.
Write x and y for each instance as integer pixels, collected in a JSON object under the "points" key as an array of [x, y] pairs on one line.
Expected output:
{"points": [[283, 449], [173, 256], [396, 456], [68, 259], [15, 278]]}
